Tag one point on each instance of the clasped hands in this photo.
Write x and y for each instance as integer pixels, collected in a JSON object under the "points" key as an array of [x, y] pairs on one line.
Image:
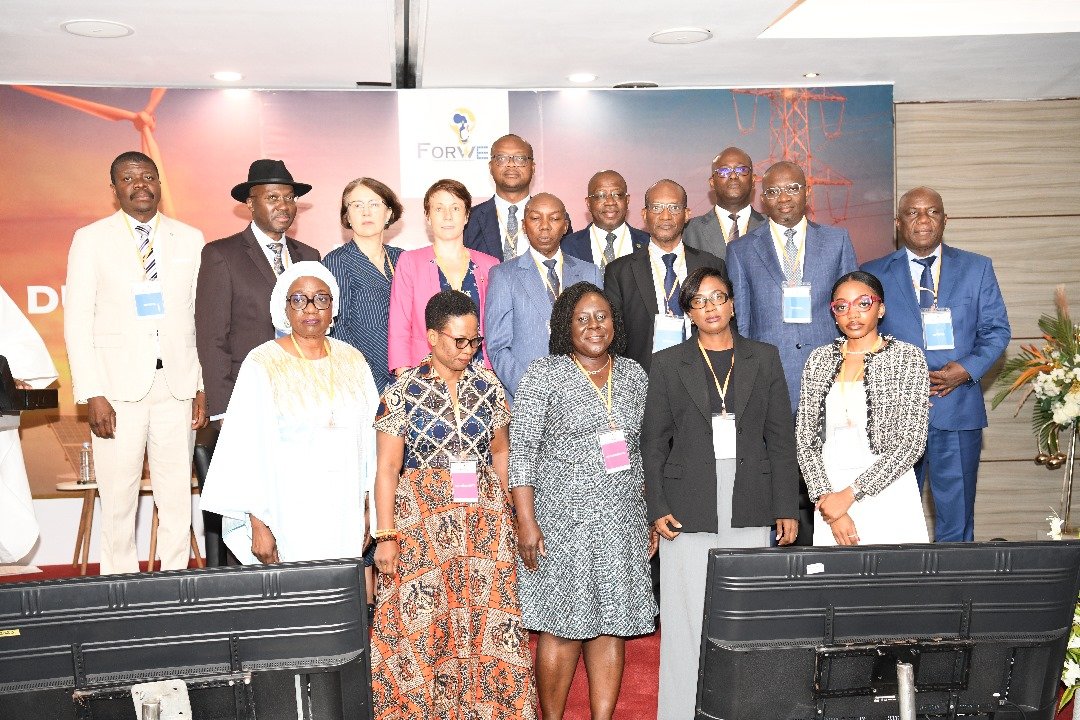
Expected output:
{"points": [[834, 508], [787, 529]]}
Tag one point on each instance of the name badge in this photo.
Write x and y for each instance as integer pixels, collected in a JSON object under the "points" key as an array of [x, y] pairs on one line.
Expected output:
{"points": [[149, 302], [796, 303], [937, 329], [613, 448], [667, 332], [723, 436], [463, 477]]}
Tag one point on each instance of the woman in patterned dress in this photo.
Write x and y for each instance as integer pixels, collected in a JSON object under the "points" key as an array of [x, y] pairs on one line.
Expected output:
{"points": [[584, 541], [447, 639]]}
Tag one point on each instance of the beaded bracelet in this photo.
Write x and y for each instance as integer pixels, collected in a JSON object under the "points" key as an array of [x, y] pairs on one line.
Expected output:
{"points": [[381, 535]]}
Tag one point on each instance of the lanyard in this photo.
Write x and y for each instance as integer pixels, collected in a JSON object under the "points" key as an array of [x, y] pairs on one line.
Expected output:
{"points": [[446, 275], [134, 236], [722, 390], [309, 361], [781, 247], [658, 266], [610, 382], [936, 272], [858, 375], [388, 263], [600, 242], [734, 223], [542, 269]]}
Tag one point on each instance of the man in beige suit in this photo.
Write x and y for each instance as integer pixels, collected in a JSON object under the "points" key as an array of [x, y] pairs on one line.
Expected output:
{"points": [[129, 325]]}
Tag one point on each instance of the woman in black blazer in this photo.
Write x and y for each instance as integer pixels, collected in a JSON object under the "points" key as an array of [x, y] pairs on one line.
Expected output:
{"points": [[718, 446]]}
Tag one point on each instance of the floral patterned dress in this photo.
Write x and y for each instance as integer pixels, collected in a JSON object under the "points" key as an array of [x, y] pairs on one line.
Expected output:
{"points": [[447, 639]]}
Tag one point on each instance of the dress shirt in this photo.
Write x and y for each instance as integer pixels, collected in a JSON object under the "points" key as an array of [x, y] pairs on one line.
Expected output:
{"points": [[725, 221], [656, 261], [598, 235], [780, 242], [916, 270], [152, 224], [542, 269], [265, 240], [502, 210]]}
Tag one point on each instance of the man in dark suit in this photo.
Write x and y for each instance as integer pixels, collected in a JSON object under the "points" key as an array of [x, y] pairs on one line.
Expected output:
{"points": [[732, 182], [608, 236], [921, 280], [494, 226], [644, 285]]}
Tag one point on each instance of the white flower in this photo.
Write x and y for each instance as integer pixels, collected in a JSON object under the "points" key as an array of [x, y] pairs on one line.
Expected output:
{"points": [[1074, 640], [1070, 673], [1056, 524]]}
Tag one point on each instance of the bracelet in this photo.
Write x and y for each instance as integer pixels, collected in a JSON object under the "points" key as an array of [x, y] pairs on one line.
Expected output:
{"points": [[381, 535]]}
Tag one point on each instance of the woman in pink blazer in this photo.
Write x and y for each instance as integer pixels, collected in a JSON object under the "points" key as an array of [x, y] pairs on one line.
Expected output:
{"points": [[445, 265]]}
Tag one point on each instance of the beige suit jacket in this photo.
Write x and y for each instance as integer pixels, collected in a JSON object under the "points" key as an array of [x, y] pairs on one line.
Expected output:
{"points": [[112, 351]]}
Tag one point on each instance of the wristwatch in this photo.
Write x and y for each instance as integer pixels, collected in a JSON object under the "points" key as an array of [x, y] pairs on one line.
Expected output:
{"points": [[858, 491]]}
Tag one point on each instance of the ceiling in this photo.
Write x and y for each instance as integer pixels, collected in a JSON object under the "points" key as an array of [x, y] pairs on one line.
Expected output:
{"points": [[321, 44]]}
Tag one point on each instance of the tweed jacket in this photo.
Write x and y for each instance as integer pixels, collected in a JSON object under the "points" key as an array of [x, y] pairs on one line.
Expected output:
{"points": [[897, 385]]}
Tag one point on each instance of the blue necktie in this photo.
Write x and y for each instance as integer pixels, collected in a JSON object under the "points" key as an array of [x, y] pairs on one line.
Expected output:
{"points": [[671, 286], [926, 282], [553, 280]]}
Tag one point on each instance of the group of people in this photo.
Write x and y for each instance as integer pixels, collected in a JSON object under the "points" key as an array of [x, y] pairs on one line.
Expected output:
{"points": [[509, 422]]}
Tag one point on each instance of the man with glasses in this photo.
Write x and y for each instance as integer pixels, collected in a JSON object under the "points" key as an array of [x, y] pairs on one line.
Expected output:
{"points": [[946, 301], [732, 183], [608, 236]]}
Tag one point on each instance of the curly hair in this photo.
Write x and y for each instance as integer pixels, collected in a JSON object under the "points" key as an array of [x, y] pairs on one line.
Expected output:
{"points": [[562, 320]]}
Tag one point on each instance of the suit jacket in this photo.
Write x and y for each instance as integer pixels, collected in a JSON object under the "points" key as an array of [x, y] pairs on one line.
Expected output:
{"points": [[676, 439], [482, 232], [518, 311], [579, 244], [757, 279], [232, 308], [704, 232], [416, 279], [628, 282], [981, 332], [113, 353]]}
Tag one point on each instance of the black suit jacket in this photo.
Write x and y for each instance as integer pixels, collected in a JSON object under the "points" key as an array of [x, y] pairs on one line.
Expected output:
{"points": [[676, 439], [232, 308], [579, 244], [628, 282], [483, 233]]}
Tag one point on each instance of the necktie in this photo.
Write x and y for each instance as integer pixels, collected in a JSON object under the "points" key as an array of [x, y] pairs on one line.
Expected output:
{"points": [[926, 282], [276, 248], [552, 280], [734, 234], [609, 249], [791, 257], [510, 246], [146, 252], [671, 286]]}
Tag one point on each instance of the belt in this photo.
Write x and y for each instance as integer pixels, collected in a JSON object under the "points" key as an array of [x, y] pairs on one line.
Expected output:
{"points": [[159, 365]]}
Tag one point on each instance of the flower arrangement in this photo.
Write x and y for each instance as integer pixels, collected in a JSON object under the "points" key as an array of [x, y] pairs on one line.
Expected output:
{"points": [[1070, 672], [1050, 373]]}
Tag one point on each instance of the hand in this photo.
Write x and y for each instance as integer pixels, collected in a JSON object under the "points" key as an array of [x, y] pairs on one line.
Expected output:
{"points": [[530, 543], [263, 542], [667, 526], [947, 379], [22, 385], [198, 411], [844, 532], [654, 542], [834, 505], [102, 417], [386, 557], [787, 529]]}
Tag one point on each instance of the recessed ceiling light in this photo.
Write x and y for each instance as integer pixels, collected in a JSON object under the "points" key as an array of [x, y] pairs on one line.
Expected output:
{"points": [[97, 28], [811, 75], [680, 36], [581, 77], [227, 76]]}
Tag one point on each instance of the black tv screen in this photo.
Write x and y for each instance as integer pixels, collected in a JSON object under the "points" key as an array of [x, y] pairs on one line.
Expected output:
{"points": [[815, 633], [268, 641]]}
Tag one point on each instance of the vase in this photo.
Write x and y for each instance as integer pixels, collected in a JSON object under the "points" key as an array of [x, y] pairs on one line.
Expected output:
{"points": [[1067, 485], [1076, 709]]}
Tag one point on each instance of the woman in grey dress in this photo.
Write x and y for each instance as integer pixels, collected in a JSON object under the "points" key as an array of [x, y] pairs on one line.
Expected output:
{"points": [[576, 480], [718, 391]]}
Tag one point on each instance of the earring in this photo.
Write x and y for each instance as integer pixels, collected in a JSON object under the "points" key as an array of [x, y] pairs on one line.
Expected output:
{"points": [[348, 225]]}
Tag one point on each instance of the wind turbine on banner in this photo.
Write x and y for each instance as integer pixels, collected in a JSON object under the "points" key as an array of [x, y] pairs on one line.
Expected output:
{"points": [[143, 121]]}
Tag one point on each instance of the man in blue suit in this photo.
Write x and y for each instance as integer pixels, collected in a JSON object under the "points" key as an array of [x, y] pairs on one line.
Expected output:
{"points": [[968, 330], [521, 292], [608, 237]]}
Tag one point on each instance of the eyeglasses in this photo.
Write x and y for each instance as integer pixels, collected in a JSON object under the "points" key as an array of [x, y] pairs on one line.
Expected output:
{"points": [[726, 172], [774, 192], [462, 342], [273, 198], [372, 205], [657, 208], [300, 301], [515, 160], [717, 298], [603, 196], [586, 319], [861, 303]]}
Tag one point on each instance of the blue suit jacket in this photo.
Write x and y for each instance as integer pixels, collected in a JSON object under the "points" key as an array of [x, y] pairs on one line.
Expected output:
{"points": [[518, 311], [483, 233], [579, 244], [969, 288], [757, 279]]}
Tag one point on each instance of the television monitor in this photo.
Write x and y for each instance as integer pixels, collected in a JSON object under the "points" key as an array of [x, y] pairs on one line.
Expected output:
{"points": [[267, 641], [816, 633]]}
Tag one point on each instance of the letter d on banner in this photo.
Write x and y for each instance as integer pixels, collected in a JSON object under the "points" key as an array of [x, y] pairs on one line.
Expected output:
{"points": [[41, 299]]}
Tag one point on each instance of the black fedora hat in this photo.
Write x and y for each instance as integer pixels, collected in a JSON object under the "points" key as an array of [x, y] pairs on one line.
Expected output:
{"points": [[268, 172]]}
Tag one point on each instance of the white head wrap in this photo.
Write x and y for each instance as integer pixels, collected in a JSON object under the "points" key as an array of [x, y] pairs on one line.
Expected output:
{"points": [[306, 268]]}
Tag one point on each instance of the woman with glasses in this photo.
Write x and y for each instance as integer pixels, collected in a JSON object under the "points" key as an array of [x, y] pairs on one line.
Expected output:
{"points": [[722, 391], [296, 453], [364, 269], [447, 640], [444, 265], [862, 424]]}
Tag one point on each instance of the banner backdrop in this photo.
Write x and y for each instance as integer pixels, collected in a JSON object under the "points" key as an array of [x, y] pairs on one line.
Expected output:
{"points": [[56, 152]]}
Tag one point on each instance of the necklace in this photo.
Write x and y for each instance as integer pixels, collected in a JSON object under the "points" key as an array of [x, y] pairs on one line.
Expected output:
{"points": [[598, 370], [877, 346], [310, 363]]}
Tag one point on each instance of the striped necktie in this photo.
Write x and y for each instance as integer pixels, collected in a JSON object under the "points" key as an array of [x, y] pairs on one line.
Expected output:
{"points": [[552, 280], [734, 234], [146, 252]]}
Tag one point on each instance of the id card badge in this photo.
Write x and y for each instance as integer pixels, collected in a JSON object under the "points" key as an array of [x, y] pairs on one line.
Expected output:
{"points": [[149, 302], [723, 436], [463, 477], [667, 332], [613, 448], [796, 302], [938, 329]]}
